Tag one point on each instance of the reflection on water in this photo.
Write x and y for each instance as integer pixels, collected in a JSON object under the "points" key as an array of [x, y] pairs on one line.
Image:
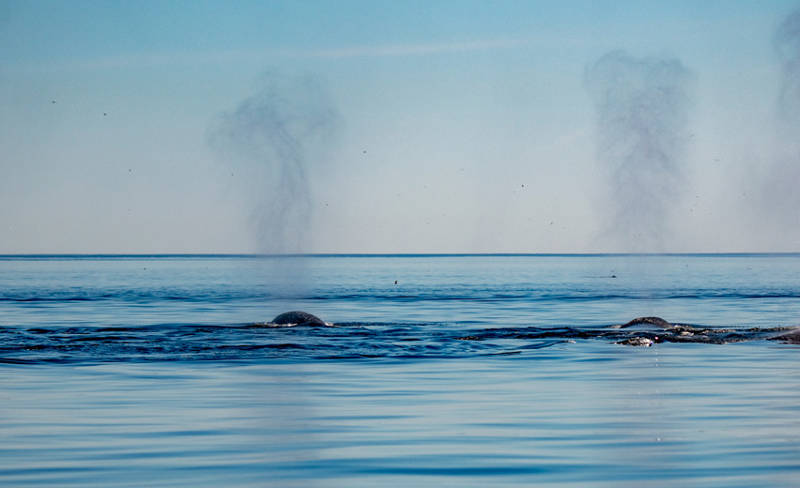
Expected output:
{"points": [[570, 415]]}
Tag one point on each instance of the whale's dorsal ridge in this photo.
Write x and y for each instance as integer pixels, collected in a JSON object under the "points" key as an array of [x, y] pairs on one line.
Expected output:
{"points": [[657, 321], [297, 317]]}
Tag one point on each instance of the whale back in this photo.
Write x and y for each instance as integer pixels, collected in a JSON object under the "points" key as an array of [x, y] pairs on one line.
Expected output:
{"points": [[792, 337], [657, 321], [298, 318]]}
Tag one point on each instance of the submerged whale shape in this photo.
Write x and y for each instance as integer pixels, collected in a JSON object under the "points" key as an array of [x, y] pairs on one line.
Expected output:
{"points": [[791, 337], [298, 318]]}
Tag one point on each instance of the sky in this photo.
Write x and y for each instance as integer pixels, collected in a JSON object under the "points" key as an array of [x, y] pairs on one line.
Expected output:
{"points": [[399, 127]]}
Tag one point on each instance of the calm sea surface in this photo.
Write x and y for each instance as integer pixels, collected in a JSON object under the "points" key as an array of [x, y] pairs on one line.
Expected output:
{"points": [[436, 371]]}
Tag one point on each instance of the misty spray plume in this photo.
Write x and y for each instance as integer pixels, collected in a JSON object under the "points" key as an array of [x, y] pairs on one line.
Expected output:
{"points": [[271, 142], [781, 194], [642, 109], [787, 44]]}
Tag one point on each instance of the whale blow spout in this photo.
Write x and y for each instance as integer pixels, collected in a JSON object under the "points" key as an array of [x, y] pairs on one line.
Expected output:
{"points": [[298, 318]]}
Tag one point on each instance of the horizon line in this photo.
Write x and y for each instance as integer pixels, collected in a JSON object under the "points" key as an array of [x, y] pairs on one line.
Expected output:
{"points": [[394, 254]]}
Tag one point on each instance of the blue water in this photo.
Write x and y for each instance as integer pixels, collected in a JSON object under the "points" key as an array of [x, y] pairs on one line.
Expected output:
{"points": [[468, 371]]}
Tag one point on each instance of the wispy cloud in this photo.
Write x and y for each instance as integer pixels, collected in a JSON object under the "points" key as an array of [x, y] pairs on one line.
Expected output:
{"points": [[137, 60], [410, 49]]}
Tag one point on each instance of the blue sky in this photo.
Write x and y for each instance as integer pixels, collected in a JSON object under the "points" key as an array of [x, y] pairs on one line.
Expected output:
{"points": [[462, 126]]}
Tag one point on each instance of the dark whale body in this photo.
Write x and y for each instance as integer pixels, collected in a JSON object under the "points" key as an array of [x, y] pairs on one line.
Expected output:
{"points": [[791, 337], [668, 331], [657, 321], [298, 318]]}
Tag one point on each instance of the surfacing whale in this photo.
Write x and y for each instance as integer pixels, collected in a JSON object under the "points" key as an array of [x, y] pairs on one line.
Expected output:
{"points": [[790, 337], [653, 330], [657, 321], [656, 329], [642, 341], [298, 317]]}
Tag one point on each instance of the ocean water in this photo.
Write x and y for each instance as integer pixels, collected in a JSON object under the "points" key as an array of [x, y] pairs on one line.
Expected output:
{"points": [[435, 371]]}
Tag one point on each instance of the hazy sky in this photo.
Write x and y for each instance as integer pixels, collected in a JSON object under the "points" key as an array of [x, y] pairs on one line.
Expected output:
{"points": [[449, 126]]}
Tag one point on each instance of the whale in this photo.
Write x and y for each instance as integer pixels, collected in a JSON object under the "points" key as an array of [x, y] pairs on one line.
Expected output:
{"points": [[298, 317], [657, 321], [791, 337]]}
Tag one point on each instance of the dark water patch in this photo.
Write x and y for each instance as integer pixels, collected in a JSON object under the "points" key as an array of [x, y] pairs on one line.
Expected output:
{"points": [[46, 295], [181, 342], [47, 299], [256, 347], [477, 293], [536, 294]]}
